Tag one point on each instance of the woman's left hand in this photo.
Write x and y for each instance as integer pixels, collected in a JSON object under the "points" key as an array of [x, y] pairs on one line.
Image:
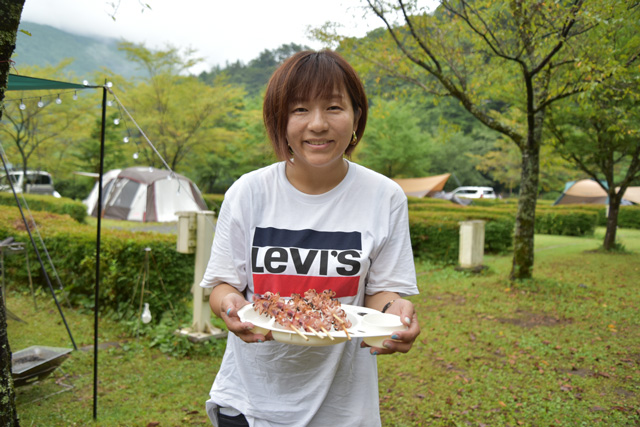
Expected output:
{"points": [[401, 341]]}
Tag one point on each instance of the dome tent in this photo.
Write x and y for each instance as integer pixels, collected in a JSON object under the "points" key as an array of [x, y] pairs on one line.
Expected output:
{"points": [[145, 194], [588, 191]]}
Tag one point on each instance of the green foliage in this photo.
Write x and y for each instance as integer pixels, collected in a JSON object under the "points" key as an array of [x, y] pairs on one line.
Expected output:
{"points": [[184, 118], [161, 331], [40, 134], [628, 217], [394, 144], [213, 201], [254, 76], [86, 153], [434, 240], [565, 222], [36, 202], [128, 261], [74, 187]]}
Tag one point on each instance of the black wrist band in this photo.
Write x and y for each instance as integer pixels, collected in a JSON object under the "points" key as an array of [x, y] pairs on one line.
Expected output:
{"points": [[387, 305]]}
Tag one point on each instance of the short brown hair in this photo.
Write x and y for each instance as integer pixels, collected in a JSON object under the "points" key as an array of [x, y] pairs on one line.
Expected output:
{"points": [[304, 75]]}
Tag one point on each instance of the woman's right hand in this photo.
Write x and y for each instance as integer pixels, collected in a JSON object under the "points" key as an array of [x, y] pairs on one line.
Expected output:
{"points": [[230, 304]]}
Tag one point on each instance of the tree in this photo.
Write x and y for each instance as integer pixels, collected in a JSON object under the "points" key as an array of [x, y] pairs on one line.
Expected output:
{"points": [[602, 137], [394, 144], [255, 75], [39, 120], [9, 21], [505, 62], [179, 114], [241, 148], [503, 162]]}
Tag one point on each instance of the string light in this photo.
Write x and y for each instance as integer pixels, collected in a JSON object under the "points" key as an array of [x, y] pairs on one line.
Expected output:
{"points": [[125, 139], [22, 106], [116, 121], [135, 156], [40, 103], [75, 96], [58, 100]]}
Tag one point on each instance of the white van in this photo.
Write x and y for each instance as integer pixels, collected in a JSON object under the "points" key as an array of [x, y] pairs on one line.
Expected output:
{"points": [[38, 182], [475, 192]]}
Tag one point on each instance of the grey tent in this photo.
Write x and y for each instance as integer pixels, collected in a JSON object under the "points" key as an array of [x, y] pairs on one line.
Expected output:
{"points": [[145, 194]]}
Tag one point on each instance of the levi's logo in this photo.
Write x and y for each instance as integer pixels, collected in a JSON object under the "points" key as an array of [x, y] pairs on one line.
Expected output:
{"points": [[293, 261]]}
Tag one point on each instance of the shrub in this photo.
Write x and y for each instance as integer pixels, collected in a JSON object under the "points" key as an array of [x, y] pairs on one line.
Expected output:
{"points": [[436, 235], [565, 222], [628, 217], [37, 202], [123, 262], [434, 240]]}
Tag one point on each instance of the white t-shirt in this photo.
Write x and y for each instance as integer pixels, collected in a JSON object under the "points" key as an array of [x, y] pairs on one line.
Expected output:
{"points": [[354, 240]]}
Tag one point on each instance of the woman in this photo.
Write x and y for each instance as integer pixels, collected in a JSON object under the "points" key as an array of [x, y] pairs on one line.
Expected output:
{"points": [[312, 221]]}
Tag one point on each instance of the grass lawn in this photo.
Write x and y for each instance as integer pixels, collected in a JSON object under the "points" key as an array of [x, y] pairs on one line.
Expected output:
{"points": [[560, 350]]}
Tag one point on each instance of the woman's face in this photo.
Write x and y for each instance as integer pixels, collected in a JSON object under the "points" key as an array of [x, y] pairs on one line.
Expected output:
{"points": [[320, 130]]}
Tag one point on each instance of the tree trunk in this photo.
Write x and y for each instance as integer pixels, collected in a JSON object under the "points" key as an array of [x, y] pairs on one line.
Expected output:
{"points": [[612, 223], [522, 267], [9, 21]]}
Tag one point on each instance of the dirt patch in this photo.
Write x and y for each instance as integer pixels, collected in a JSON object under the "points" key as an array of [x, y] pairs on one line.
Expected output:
{"points": [[531, 320], [442, 300], [18, 224], [579, 372], [623, 392]]}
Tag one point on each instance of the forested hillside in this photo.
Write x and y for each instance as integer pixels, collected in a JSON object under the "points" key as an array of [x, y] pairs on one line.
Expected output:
{"points": [[42, 45]]}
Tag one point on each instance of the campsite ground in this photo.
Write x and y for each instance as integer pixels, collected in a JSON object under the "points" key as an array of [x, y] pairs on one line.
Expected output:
{"points": [[561, 349], [159, 227]]}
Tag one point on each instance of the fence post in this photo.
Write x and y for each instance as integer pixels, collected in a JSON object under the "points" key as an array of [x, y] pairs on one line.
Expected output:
{"points": [[195, 234], [471, 244]]}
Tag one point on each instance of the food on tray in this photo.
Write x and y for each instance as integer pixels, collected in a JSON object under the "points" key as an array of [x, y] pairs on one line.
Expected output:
{"points": [[316, 313]]}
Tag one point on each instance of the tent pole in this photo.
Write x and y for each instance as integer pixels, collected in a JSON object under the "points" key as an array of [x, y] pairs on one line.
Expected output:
{"points": [[97, 288]]}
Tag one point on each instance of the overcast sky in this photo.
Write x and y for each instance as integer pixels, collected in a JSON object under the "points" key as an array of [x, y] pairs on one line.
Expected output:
{"points": [[220, 31]]}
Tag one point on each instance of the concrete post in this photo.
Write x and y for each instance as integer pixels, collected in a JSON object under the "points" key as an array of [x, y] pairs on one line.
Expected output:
{"points": [[199, 227], [471, 244]]}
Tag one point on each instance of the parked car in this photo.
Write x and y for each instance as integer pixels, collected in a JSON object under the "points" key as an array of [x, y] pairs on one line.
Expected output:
{"points": [[38, 182], [475, 192]]}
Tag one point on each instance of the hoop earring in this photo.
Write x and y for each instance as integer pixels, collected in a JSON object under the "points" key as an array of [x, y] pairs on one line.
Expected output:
{"points": [[354, 139]]}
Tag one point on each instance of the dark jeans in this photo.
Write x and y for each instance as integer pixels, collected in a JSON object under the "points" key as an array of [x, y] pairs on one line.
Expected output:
{"points": [[227, 421]]}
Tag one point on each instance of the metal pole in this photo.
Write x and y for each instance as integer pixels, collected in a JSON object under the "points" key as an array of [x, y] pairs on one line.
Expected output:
{"points": [[35, 248], [97, 288]]}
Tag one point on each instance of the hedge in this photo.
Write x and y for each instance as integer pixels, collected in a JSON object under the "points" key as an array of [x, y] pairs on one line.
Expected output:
{"points": [[72, 248], [564, 221], [436, 235], [38, 202], [434, 229]]}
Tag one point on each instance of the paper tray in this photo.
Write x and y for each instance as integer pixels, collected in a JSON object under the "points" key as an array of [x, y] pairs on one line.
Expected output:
{"points": [[264, 324]]}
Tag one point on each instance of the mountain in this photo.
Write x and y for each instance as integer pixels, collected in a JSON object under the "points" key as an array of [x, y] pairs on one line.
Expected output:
{"points": [[49, 46]]}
